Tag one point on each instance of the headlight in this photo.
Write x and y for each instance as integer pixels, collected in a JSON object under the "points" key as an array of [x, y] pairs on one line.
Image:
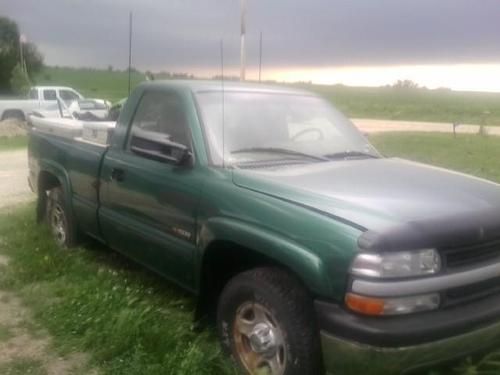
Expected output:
{"points": [[397, 264], [392, 306]]}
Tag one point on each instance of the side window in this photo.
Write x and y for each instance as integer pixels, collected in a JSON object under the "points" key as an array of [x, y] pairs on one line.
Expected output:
{"points": [[161, 114], [49, 95], [68, 96], [159, 130], [33, 94]]}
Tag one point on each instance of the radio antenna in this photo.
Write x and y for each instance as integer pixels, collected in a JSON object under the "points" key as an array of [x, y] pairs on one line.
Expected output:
{"points": [[129, 49], [260, 55], [223, 110]]}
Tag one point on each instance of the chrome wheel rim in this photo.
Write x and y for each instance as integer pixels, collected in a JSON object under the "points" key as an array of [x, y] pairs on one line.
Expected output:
{"points": [[58, 224], [259, 341]]}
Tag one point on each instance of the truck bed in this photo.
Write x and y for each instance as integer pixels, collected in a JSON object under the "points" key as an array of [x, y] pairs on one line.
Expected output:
{"points": [[75, 162]]}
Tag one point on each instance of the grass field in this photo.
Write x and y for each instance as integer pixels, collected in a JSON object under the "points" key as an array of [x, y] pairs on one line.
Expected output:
{"points": [[473, 154], [92, 83], [360, 102], [130, 321], [12, 143]]}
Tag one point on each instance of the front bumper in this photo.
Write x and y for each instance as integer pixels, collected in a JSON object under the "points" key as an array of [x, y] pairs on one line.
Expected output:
{"points": [[346, 357], [355, 344]]}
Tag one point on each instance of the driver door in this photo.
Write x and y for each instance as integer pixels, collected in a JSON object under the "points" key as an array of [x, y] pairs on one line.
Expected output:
{"points": [[148, 207]]}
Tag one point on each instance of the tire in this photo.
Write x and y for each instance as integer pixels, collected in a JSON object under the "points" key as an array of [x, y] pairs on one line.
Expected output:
{"points": [[265, 319], [60, 221]]}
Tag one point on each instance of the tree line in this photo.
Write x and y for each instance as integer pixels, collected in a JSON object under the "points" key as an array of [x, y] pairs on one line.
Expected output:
{"points": [[15, 76]]}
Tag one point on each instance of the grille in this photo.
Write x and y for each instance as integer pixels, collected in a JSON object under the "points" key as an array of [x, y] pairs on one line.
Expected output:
{"points": [[470, 256], [471, 292]]}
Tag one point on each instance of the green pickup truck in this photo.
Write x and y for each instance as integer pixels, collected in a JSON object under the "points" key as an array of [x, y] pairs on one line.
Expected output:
{"points": [[311, 252]]}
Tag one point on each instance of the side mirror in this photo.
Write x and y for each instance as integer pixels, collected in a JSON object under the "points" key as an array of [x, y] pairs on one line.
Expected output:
{"points": [[159, 147]]}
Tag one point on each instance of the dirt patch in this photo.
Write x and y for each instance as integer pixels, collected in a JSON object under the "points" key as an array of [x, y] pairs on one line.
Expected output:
{"points": [[3, 259], [23, 343], [13, 178], [11, 128]]}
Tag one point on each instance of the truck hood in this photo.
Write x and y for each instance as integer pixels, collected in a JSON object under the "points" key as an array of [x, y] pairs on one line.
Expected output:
{"points": [[397, 203]]}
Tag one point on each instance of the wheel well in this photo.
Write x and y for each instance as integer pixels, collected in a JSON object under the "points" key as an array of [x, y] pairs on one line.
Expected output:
{"points": [[13, 113], [222, 261], [46, 181]]}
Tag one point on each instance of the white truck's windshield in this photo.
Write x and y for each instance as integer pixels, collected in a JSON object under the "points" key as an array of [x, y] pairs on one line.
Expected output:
{"points": [[266, 127]]}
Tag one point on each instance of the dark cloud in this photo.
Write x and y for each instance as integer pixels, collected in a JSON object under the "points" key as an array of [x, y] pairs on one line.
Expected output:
{"points": [[178, 34]]}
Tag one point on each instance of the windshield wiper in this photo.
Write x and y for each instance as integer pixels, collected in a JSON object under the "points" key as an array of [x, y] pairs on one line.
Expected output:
{"points": [[348, 154], [277, 150]]}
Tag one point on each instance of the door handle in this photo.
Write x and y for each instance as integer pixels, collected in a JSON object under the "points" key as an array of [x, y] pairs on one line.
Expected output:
{"points": [[117, 174]]}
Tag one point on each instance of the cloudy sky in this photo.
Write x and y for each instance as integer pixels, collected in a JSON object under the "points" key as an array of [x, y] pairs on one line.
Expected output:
{"points": [[453, 43]]}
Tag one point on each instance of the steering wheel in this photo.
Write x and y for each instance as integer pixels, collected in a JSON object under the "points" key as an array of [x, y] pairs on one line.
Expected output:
{"points": [[309, 130]]}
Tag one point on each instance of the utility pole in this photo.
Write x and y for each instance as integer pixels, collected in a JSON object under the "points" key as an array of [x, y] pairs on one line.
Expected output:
{"points": [[242, 42], [260, 55], [129, 50], [22, 41]]}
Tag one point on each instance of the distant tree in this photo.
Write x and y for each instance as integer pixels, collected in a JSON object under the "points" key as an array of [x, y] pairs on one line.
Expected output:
{"points": [[9, 51], [19, 81], [33, 59], [110, 68], [405, 84], [10, 54]]}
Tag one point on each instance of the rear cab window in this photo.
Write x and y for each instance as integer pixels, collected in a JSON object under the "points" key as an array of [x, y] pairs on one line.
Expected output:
{"points": [[68, 96]]}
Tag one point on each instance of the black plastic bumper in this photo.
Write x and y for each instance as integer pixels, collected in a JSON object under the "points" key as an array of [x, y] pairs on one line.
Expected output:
{"points": [[408, 330]]}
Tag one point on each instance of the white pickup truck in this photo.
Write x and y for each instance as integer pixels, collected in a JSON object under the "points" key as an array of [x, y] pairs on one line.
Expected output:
{"points": [[39, 98]]}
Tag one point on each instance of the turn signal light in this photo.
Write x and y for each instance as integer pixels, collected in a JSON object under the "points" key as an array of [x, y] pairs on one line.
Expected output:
{"points": [[392, 306], [364, 305]]}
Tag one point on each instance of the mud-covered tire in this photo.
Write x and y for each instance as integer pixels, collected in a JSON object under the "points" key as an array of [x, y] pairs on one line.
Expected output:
{"points": [[59, 219], [280, 295]]}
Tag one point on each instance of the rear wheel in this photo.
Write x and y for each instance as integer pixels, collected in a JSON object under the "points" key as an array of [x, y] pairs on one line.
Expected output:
{"points": [[266, 323], [59, 220]]}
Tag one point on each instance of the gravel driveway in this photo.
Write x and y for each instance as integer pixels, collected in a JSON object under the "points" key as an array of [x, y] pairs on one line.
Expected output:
{"points": [[378, 126], [14, 178]]}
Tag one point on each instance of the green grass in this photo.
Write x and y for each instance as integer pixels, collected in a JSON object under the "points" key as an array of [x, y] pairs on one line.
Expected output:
{"points": [[361, 102], [132, 322], [5, 333], [473, 154], [12, 143], [93, 300], [414, 104], [92, 83]]}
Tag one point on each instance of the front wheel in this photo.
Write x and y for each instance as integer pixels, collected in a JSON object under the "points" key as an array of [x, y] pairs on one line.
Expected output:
{"points": [[266, 323]]}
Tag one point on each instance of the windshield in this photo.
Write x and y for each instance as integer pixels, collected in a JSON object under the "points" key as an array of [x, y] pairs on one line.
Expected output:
{"points": [[274, 127]]}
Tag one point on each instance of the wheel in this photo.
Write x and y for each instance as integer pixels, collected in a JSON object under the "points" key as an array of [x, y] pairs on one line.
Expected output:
{"points": [[266, 323], [59, 219]]}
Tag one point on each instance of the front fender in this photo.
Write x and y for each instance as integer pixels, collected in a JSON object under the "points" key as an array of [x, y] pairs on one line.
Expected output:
{"points": [[297, 258]]}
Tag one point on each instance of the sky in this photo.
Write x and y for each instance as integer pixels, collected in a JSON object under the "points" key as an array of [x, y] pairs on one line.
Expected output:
{"points": [[437, 43]]}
